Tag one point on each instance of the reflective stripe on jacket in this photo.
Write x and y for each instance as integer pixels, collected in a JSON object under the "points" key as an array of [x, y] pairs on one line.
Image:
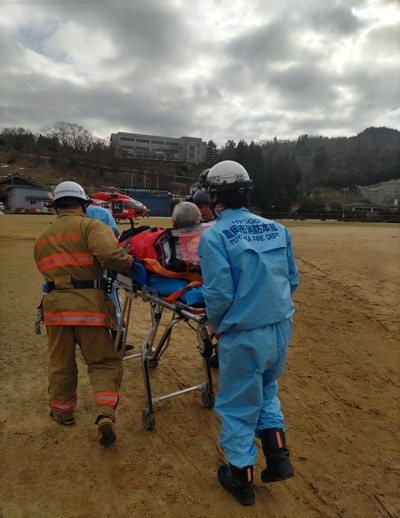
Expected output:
{"points": [[64, 260], [78, 248]]}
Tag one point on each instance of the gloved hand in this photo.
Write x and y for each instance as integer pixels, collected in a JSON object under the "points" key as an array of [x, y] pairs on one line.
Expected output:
{"points": [[39, 318]]}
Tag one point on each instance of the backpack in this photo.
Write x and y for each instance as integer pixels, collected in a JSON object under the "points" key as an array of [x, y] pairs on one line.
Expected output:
{"points": [[165, 251]]}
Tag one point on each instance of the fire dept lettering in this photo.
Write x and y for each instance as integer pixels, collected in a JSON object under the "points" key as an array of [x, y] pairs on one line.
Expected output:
{"points": [[251, 230]]}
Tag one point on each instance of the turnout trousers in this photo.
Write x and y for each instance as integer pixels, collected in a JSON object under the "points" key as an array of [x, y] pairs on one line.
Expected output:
{"points": [[104, 367], [250, 363]]}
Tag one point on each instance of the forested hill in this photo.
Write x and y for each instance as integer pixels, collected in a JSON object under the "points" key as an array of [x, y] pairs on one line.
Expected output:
{"points": [[283, 171], [371, 157]]}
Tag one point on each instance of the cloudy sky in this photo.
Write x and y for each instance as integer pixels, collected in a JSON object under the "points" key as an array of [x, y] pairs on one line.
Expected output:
{"points": [[215, 69]]}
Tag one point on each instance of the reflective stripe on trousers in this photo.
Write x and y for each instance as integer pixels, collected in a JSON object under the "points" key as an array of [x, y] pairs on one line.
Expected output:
{"points": [[74, 319], [106, 398], [63, 406]]}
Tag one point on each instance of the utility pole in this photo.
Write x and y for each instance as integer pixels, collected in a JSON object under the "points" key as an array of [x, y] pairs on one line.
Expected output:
{"points": [[344, 200]]}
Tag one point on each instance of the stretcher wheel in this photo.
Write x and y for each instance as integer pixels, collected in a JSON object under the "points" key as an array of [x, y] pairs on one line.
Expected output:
{"points": [[208, 398], [149, 420]]}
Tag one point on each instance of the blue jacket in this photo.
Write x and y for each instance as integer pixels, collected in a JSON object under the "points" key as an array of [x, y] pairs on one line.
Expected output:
{"points": [[249, 271], [102, 214]]}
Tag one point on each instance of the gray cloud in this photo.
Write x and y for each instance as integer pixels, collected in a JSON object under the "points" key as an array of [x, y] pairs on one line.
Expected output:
{"points": [[218, 70]]}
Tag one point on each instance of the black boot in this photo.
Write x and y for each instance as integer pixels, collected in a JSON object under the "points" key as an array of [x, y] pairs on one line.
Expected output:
{"points": [[128, 347], [238, 481], [279, 466]]}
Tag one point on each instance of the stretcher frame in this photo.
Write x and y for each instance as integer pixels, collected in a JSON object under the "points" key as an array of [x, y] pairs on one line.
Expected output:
{"points": [[152, 350]]}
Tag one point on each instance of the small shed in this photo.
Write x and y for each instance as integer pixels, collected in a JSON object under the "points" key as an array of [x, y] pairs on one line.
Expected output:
{"points": [[20, 194]]}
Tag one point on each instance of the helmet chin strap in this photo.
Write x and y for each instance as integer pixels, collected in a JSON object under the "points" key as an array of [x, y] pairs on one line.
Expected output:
{"points": [[213, 204]]}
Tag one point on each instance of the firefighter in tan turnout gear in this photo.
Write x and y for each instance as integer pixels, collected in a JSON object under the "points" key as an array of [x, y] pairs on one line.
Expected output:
{"points": [[71, 254]]}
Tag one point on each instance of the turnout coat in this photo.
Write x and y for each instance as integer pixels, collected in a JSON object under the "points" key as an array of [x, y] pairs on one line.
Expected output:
{"points": [[77, 248]]}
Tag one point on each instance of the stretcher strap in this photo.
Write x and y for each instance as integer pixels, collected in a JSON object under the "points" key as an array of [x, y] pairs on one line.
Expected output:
{"points": [[174, 275], [177, 294]]}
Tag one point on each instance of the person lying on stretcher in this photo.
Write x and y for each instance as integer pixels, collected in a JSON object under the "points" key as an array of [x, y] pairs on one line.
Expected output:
{"points": [[175, 249]]}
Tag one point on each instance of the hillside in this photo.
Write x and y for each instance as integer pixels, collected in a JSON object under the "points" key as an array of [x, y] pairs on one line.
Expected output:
{"points": [[283, 172], [37, 169], [48, 171]]}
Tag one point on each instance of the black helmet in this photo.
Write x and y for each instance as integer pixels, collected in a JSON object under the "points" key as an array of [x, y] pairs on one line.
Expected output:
{"points": [[201, 196], [203, 182]]}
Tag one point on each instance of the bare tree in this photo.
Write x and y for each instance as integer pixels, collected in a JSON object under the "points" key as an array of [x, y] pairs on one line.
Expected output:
{"points": [[73, 140]]}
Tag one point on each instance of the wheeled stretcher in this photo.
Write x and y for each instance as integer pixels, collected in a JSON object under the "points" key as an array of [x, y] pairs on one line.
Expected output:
{"points": [[186, 305]]}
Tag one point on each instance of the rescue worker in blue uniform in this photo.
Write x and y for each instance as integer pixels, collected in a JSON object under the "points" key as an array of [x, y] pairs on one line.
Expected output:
{"points": [[249, 274], [102, 214]]}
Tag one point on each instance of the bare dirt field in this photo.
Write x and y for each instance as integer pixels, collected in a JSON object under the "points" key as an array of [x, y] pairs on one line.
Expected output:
{"points": [[340, 395]]}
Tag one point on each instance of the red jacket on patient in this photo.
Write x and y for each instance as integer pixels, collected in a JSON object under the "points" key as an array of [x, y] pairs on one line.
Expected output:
{"points": [[175, 250]]}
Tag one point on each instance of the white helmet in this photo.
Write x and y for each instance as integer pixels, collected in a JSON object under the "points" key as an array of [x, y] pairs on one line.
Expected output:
{"points": [[69, 190], [228, 175]]}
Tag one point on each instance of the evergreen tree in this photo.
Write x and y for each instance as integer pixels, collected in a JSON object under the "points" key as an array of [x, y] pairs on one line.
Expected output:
{"points": [[255, 168], [228, 153], [211, 153], [241, 153]]}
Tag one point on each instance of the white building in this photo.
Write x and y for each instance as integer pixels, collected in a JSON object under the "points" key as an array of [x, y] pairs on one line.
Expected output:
{"points": [[183, 149]]}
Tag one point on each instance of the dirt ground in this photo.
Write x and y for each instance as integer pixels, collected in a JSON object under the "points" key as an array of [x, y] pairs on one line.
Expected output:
{"points": [[340, 395]]}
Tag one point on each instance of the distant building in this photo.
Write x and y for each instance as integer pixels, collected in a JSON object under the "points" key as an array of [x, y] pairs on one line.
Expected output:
{"points": [[19, 194], [183, 149], [363, 206]]}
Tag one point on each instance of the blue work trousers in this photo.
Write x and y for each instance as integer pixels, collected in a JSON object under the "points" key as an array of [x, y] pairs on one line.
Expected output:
{"points": [[250, 363]]}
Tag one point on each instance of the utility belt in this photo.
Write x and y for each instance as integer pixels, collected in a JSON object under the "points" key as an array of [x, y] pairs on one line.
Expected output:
{"points": [[98, 284]]}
